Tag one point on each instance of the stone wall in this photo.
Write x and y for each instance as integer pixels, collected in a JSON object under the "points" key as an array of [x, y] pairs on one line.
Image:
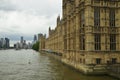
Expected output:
{"points": [[87, 34]]}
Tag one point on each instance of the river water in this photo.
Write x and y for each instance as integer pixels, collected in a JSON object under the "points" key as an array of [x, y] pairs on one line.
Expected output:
{"points": [[31, 65]]}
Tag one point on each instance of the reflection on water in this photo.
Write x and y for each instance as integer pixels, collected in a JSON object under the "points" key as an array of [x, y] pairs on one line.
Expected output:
{"points": [[31, 65]]}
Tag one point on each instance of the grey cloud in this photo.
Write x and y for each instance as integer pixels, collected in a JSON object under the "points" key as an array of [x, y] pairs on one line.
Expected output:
{"points": [[15, 27], [35, 15], [36, 7], [6, 5]]}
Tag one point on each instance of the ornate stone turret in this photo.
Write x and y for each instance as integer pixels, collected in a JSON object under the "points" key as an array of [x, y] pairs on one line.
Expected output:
{"points": [[42, 42], [58, 20], [49, 30]]}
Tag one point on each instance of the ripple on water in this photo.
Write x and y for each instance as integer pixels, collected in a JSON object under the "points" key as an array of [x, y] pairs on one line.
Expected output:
{"points": [[14, 65]]}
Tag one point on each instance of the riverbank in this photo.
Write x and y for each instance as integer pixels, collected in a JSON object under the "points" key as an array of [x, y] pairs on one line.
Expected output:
{"points": [[85, 69], [114, 71]]}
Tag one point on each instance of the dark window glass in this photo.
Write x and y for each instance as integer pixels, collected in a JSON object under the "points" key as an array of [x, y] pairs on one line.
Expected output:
{"points": [[65, 44], [96, 17], [112, 42], [114, 60], [98, 61], [97, 39], [82, 42], [82, 18], [112, 17]]}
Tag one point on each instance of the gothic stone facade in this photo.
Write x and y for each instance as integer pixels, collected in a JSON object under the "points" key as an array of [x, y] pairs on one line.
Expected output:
{"points": [[87, 34], [42, 39]]}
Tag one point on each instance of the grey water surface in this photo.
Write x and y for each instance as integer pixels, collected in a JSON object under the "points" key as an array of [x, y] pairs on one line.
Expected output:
{"points": [[31, 65]]}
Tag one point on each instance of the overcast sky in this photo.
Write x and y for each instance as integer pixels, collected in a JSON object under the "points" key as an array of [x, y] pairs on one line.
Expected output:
{"points": [[27, 17]]}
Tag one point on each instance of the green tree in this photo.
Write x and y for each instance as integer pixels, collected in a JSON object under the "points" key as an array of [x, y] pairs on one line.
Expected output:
{"points": [[36, 46]]}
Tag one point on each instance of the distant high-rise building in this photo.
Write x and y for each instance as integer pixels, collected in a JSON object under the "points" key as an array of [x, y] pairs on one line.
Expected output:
{"points": [[4, 43], [7, 42], [35, 38], [0, 43], [22, 44], [22, 40]]}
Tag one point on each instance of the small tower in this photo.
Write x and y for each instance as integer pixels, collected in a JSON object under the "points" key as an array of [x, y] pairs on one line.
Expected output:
{"points": [[49, 30], [58, 20]]}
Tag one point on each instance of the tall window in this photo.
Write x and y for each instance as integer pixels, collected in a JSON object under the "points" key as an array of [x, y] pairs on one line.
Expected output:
{"points": [[112, 42], [82, 32], [82, 42], [82, 18], [96, 17], [65, 40], [112, 17], [114, 60], [97, 39], [65, 43], [98, 60]]}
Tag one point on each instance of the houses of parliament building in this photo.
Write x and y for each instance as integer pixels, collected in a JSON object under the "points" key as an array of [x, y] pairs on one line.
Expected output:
{"points": [[87, 36]]}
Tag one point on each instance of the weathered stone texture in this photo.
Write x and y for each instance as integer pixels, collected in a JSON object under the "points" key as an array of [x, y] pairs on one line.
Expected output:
{"points": [[74, 35]]}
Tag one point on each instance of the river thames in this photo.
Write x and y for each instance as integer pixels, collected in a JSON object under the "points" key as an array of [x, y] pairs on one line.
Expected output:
{"points": [[31, 65]]}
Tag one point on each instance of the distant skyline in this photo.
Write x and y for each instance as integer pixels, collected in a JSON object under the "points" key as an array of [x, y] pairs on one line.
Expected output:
{"points": [[12, 42], [27, 17]]}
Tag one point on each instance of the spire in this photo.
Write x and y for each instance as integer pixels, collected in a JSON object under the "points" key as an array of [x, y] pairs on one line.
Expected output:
{"points": [[58, 19], [49, 30]]}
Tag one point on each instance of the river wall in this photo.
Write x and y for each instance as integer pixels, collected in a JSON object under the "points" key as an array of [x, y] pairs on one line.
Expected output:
{"points": [[111, 70]]}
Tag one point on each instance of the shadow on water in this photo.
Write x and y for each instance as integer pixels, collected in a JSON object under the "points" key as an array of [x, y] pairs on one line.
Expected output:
{"points": [[64, 72]]}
